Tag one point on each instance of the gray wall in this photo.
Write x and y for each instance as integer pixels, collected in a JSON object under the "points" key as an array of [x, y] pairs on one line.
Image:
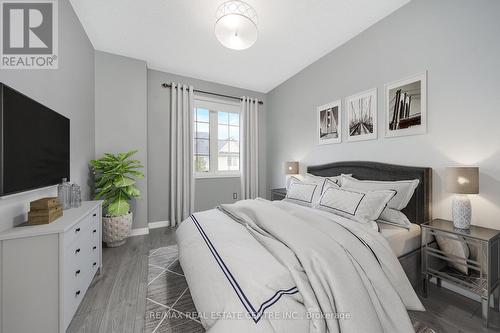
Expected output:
{"points": [[211, 192], [121, 116], [457, 42], [208, 192], [69, 91]]}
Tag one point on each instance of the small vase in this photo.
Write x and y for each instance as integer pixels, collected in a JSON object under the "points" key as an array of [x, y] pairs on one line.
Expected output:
{"points": [[461, 212]]}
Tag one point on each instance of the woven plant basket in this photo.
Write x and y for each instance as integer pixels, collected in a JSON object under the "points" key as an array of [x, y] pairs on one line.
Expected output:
{"points": [[116, 229]]}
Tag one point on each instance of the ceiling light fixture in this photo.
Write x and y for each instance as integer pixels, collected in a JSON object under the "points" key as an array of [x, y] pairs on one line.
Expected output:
{"points": [[236, 25]]}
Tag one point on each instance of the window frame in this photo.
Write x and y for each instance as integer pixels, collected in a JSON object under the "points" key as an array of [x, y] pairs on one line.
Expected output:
{"points": [[214, 106]]}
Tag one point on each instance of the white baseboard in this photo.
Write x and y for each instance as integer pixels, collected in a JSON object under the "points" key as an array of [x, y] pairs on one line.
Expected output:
{"points": [[139, 231], [151, 225], [158, 224]]}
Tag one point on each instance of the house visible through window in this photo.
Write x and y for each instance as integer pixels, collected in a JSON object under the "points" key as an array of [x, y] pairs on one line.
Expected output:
{"points": [[201, 140], [216, 138]]}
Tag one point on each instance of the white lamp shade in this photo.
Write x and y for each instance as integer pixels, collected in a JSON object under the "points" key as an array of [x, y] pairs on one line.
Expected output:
{"points": [[236, 27]]}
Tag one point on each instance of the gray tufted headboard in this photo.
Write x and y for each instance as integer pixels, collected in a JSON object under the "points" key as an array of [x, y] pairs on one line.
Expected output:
{"points": [[419, 209]]}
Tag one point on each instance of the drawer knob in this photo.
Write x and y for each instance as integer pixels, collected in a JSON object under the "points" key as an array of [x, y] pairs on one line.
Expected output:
{"points": [[77, 272], [94, 247], [93, 265], [77, 230], [77, 251], [95, 214], [77, 293], [94, 231]]}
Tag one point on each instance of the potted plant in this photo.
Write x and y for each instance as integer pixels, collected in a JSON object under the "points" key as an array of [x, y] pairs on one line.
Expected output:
{"points": [[115, 177]]}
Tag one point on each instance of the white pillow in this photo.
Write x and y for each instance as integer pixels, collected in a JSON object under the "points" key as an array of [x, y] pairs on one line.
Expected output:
{"points": [[305, 194], [457, 247], [356, 205], [329, 183], [306, 178], [394, 217], [404, 189]]}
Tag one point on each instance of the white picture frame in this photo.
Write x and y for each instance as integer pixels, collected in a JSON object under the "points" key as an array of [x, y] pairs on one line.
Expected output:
{"points": [[362, 115], [406, 110], [329, 123]]}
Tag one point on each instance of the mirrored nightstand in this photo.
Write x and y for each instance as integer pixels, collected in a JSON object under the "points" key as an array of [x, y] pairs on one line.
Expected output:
{"points": [[278, 194], [483, 264]]}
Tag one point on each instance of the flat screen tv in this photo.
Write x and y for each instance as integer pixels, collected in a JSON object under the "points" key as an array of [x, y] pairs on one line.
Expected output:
{"points": [[34, 144]]}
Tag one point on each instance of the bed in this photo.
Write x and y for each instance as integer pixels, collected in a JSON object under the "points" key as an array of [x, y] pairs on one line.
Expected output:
{"points": [[260, 266], [418, 210]]}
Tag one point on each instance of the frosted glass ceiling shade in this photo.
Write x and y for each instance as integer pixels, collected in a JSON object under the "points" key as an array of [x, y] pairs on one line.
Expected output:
{"points": [[236, 25]]}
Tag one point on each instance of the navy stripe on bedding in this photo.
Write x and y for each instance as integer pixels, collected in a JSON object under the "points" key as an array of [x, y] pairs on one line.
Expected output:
{"points": [[256, 314]]}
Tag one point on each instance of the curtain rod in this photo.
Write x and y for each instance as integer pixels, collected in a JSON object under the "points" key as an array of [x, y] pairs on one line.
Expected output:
{"points": [[168, 85]]}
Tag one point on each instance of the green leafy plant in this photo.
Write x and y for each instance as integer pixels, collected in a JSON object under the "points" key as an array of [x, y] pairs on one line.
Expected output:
{"points": [[115, 177]]}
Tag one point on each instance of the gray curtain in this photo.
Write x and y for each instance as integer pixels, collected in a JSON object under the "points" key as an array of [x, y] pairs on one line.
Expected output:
{"points": [[181, 153], [249, 148]]}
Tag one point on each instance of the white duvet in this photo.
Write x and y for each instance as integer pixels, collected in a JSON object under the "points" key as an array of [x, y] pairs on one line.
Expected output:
{"points": [[261, 266]]}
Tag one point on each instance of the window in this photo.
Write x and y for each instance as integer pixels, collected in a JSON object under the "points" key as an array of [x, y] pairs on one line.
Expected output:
{"points": [[216, 138], [202, 140]]}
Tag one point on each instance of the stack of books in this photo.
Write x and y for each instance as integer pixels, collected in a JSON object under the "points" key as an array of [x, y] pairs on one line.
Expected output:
{"points": [[44, 211]]}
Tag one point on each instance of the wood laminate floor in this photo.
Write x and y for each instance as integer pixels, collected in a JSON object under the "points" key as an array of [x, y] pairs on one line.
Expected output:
{"points": [[116, 299]]}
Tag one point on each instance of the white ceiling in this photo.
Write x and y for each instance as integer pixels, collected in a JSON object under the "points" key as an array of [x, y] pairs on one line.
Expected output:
{"points": [[177, 36]]}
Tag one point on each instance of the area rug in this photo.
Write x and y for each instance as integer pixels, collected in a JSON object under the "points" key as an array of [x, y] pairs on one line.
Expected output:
{"points": [[169, 306], [422, 328]]}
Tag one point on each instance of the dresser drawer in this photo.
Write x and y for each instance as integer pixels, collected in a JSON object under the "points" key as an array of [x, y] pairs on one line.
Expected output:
{"points": [[76, 272], [95, 225], [81, 261], [82, 266], [94, 263], [72, 298], [76, 281], [95, 215], [89, 223], [78, 277], [94, 231], [75, 268], [76, 231], [74, 252]]}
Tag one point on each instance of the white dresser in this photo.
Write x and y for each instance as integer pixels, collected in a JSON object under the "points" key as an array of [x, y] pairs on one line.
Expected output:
{"points": [[45, 270]]}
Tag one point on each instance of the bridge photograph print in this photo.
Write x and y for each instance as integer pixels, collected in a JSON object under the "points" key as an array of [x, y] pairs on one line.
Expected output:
{"points": [[329, 123], [362, 115], [406, 106]]}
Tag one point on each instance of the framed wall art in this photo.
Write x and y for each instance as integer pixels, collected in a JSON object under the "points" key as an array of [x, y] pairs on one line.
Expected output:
{"points": [[362, 115], [406, 106], [329, 123]]}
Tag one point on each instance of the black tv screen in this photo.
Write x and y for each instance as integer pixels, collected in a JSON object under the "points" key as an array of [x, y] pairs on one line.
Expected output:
{"points": [[34, 144]]}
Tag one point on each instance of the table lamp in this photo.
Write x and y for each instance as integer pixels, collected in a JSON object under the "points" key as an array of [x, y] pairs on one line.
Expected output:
{"points": [[291, 168], [462, 181]]}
